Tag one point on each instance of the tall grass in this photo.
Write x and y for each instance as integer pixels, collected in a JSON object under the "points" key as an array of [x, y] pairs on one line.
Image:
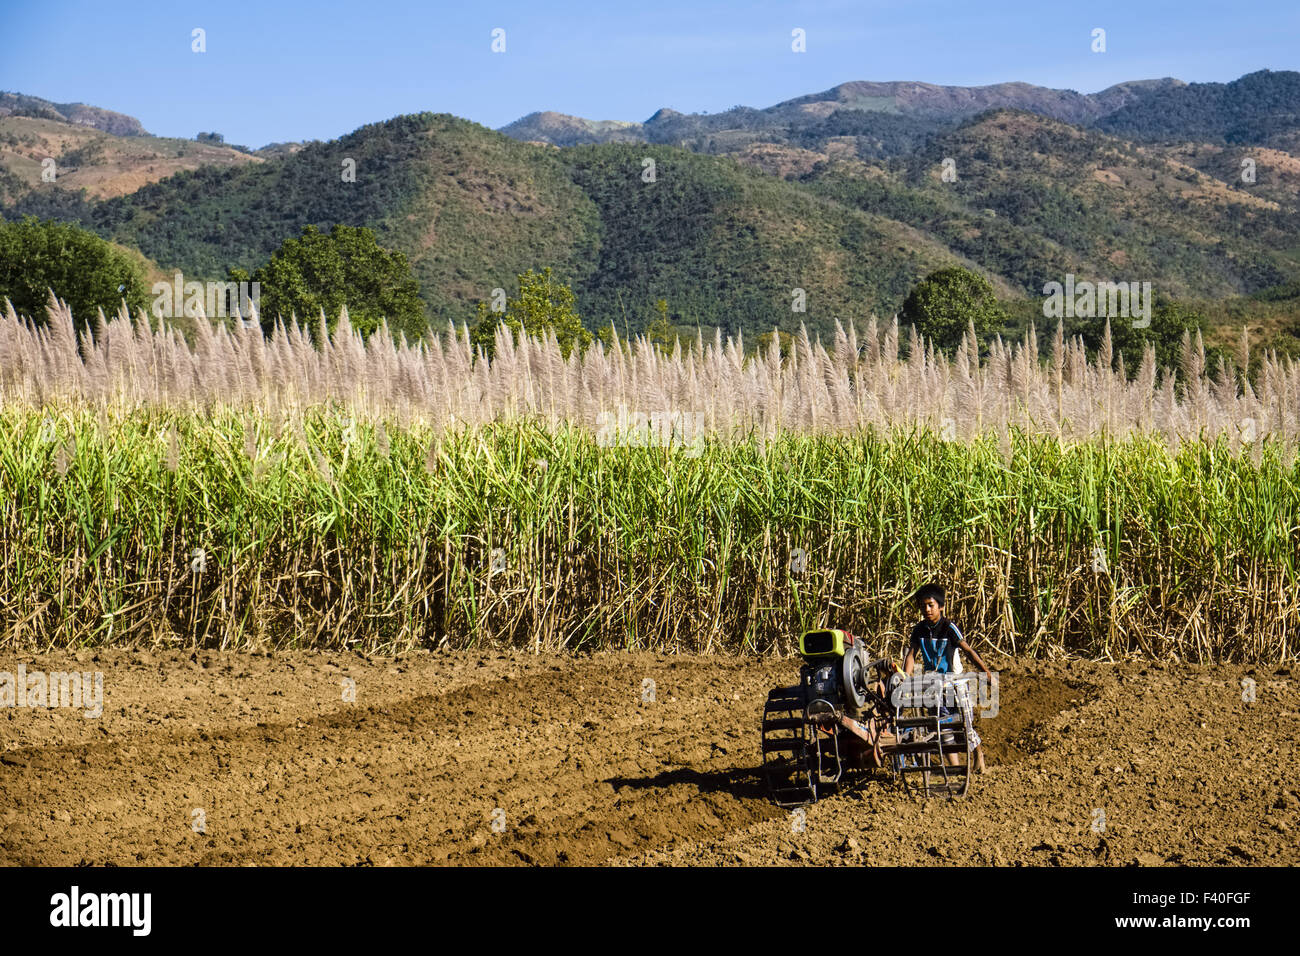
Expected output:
{"points": [[537, 536], [260, 492], [861, 380]]}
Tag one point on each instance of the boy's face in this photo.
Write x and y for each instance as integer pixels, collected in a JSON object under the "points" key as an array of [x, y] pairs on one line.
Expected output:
{"points": [[931, 610]]}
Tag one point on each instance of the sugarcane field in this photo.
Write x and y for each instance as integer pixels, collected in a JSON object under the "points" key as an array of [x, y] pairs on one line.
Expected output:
{"points": [[574, 472], [491, 633]]}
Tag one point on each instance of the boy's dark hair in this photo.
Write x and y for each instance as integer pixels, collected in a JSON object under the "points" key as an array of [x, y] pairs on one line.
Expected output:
{"points": [[927, 591]]}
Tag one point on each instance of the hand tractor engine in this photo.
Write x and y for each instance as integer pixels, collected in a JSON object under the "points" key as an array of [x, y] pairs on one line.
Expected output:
{"points": [[801, 760]]}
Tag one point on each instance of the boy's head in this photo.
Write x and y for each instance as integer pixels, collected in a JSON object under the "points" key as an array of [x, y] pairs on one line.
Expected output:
{"points": [[929, 601]]}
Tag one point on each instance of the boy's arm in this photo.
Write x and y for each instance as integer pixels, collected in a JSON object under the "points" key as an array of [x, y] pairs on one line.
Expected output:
{"points": [[908, 663], [973, 656]]}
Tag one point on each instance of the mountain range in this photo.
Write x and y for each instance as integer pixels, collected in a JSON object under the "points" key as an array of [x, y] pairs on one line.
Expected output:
{"points": [[892, 110], [850, 195]]}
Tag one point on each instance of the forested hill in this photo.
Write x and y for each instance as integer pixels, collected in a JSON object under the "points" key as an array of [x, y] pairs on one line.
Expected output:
{"points": [[723, 243], [1033, 199], [1260, 108], [740, 240]]}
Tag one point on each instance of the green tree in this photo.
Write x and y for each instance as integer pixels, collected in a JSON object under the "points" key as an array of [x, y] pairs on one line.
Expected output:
{"points": [[346, 267], [1169, 319], [660, 332], [83, 270], [944, 303], [543, 304]]}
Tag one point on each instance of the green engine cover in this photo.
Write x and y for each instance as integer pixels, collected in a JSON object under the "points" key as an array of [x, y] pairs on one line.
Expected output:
{"points": [[822, 645]]}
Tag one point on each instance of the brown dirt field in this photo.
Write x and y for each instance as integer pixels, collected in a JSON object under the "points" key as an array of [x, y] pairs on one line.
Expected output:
{"points": [[584, 772]]}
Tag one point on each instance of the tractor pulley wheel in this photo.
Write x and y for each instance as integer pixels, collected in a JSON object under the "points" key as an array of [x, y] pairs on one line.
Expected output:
{"points": [[854, 678]]}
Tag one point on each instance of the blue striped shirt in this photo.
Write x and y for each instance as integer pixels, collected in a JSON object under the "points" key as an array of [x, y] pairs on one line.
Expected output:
{"points": [[936, 643]]}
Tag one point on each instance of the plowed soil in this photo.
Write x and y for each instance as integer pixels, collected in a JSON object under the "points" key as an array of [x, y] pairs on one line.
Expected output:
{"points": [[511, 758]]}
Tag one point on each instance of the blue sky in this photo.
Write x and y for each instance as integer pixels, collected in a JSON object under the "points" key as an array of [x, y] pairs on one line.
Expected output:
{"points": [[316, 70]]}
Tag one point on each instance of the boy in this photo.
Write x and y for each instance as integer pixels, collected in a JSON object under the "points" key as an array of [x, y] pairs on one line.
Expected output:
{"points": [[938, 641]]}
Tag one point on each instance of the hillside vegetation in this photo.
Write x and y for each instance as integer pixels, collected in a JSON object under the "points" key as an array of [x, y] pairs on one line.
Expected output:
{"points": [[102, 164], [834, 203], [1035, 198]]}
